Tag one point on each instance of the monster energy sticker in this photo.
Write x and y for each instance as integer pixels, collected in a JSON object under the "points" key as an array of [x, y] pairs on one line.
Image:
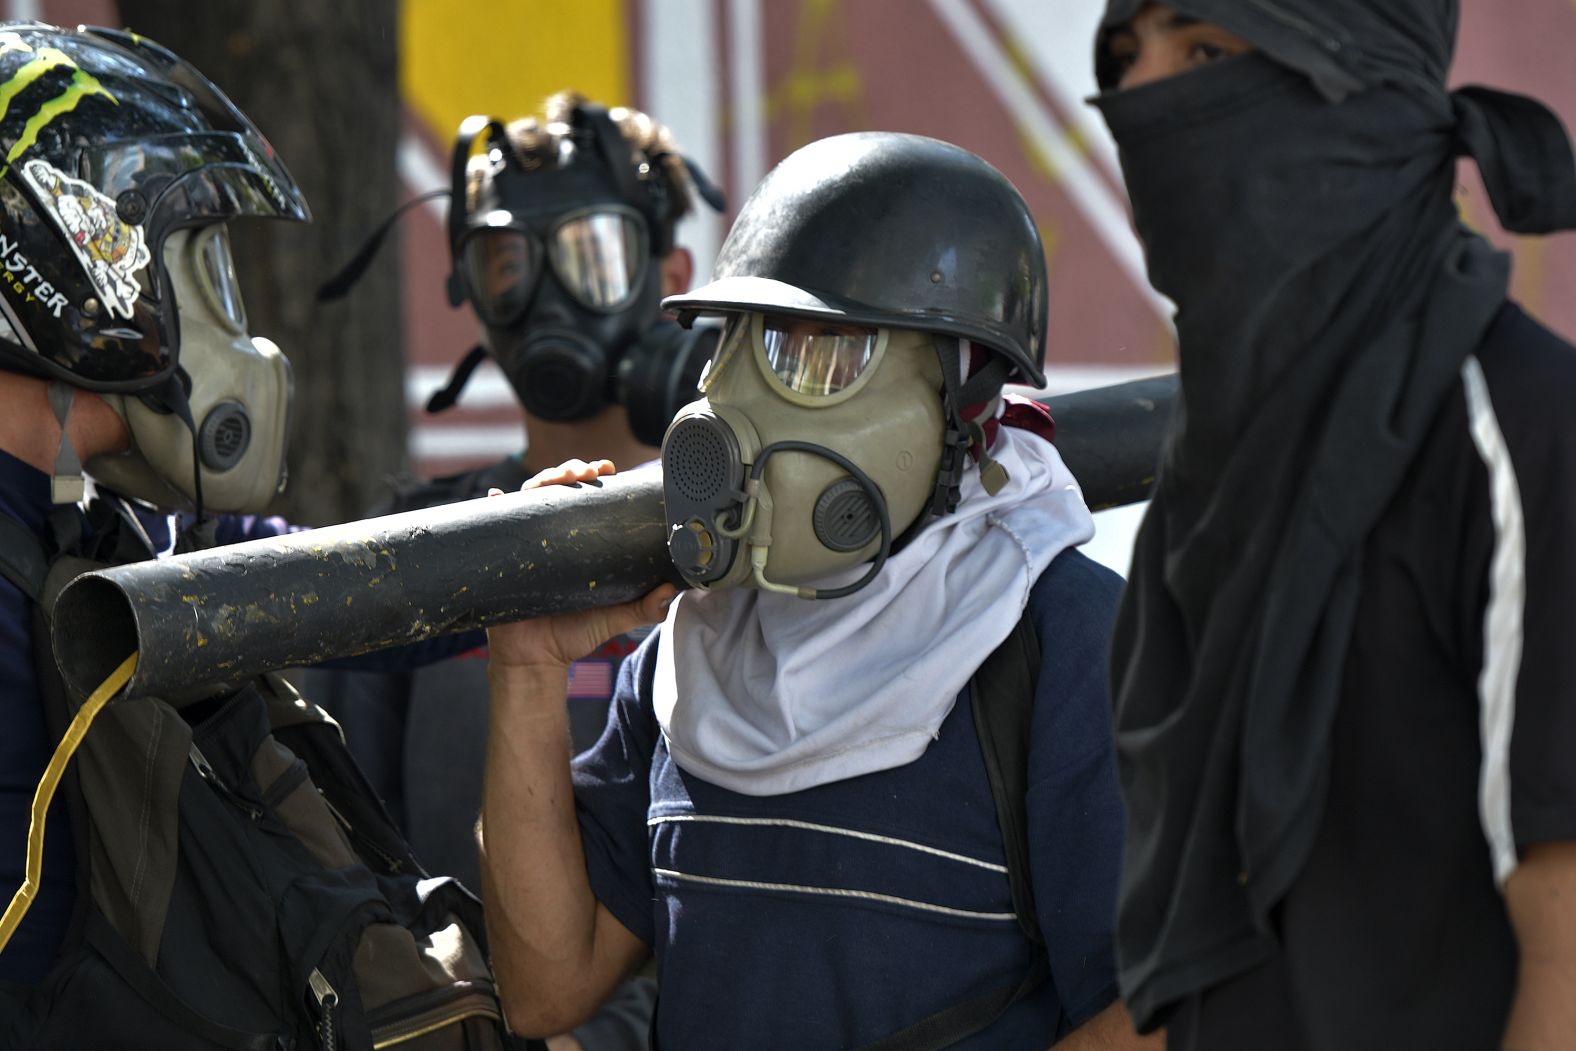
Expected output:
{"points": [[111, 251], [81, 85]]}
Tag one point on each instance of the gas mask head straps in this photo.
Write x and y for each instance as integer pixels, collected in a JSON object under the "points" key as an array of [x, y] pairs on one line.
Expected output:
{"points": [[958, 394]]}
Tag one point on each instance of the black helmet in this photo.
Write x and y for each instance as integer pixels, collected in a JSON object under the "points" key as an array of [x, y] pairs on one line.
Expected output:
{"points": [[893, 230], [111, 142]]}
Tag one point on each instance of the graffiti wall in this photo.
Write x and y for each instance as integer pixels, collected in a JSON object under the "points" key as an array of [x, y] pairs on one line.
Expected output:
{"points": [[743, 82]]}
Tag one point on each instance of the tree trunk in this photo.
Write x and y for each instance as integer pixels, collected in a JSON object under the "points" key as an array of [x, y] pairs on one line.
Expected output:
{"points": [[320, 80]]}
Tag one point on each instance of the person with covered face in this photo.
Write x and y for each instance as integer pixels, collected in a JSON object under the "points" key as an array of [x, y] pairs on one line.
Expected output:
{"points": [[1344, 698], [789, 807]]}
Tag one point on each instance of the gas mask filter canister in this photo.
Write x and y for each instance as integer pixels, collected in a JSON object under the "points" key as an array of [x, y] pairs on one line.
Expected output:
{"points": [[815, 444]]}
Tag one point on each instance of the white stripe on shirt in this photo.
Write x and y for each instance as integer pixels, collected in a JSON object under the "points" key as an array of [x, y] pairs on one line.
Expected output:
{"points": [[808, 826], [1502, 622], [833, 892]]}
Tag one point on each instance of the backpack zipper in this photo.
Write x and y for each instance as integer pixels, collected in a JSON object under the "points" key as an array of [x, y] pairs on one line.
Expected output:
{"points": [[206, 771], [394, 864], [328, 1004], [452, 1006]]}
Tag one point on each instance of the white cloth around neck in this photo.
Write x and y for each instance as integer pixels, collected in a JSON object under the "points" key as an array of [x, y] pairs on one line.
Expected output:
{"points": [[764, 694]]}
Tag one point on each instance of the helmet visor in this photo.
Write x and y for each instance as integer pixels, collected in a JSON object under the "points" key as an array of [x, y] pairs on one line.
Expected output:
{"points": [[502, 266], [600, 256], [815, 359], [185, 178]]}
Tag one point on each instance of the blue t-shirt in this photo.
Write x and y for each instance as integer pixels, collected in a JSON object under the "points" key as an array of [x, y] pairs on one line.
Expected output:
{"points": [[834, 916]]}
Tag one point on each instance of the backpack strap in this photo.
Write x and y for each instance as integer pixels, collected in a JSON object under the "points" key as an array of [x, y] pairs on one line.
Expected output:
{"points": [[122, 783], [1002, 697], [1002, 694], [22, 558]]}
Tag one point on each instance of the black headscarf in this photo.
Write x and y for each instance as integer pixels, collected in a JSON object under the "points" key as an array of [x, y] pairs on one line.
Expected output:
{"points": [[1296, 203]]}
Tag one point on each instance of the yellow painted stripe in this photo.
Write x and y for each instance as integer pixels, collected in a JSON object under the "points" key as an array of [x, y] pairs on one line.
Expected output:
{"points": [[506, 56]]}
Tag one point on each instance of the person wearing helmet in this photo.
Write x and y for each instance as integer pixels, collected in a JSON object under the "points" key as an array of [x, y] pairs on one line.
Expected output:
{"points": [[1344, 698], [124, 350], [125, 358], [789, 807]]}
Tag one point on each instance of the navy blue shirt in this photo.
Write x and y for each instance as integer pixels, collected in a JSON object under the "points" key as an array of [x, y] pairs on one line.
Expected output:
{"points": [[834, 916], [25, 746]]}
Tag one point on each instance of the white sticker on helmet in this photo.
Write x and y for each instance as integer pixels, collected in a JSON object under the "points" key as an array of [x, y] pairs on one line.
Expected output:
{"points": [[110, 250]]}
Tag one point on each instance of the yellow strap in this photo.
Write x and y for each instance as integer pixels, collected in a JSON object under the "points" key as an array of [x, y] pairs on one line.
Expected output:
{"points": [[45, 792]]}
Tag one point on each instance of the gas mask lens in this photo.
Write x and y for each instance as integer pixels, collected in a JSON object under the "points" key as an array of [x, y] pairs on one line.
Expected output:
{"points": [[501, 270], [599, 256], [817, 360], [215, 269]]}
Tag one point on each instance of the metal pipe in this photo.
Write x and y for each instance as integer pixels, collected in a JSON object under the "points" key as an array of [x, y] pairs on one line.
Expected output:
{"points": [[1110, 437], [227, 614]]}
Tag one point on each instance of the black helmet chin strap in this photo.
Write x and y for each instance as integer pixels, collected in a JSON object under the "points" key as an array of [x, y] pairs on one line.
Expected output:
{"points": [[173, 396], [65, 484]]}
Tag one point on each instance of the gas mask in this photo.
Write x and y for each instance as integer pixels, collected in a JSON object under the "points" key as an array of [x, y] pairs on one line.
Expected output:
{"points": [[563, 303], [232, 391], [816, 443], [560, 263]]}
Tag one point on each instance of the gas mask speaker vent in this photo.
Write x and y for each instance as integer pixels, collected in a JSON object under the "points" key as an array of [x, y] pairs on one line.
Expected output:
{"points": [[697, 461], [224, 435], [845, 519]]}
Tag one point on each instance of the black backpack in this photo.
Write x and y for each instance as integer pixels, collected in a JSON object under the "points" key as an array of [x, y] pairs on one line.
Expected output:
{"points": [[239, 884]]}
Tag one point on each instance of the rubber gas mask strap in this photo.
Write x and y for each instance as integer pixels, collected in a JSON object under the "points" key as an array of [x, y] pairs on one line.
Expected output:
{"points": [[955, 439], [65, 484], [471, 129], [618, 155], [345, 278], [450, 393], [985, 387]]}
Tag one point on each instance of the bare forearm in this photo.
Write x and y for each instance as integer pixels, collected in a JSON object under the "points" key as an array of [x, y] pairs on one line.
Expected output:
{"points": [[1110, 1030], [1543, 1015], [1541, 898], [541, 915]]}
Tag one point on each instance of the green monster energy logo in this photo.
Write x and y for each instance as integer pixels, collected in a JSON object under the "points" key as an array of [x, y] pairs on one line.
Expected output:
{"points": [[81, 86]]}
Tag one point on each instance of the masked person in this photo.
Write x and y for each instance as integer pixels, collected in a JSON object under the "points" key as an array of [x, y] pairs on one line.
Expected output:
{"points": [[563, 236], [125, 357], [789, 806], [94, 350], [563, 240], [1344, 701]]}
